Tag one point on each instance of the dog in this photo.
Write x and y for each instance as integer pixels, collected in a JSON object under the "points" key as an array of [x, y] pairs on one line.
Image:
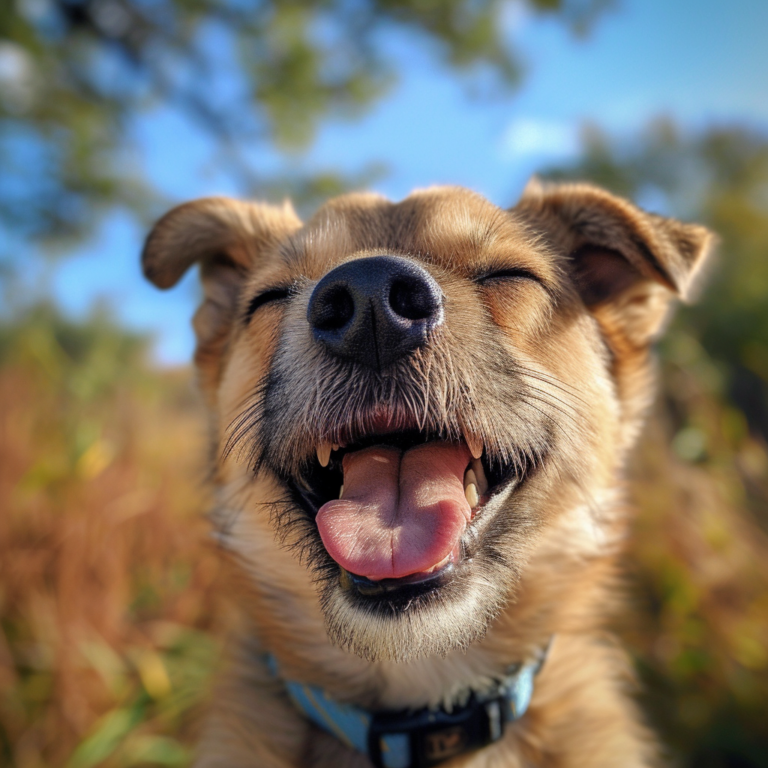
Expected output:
{"points": [[420, 413]]}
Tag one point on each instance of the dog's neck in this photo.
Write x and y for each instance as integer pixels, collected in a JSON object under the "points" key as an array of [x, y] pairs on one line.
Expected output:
{"points": [[424, 737]]}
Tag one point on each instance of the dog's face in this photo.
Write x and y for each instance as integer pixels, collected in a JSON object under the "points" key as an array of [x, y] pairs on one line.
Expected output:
{"points": [[427, 385]]}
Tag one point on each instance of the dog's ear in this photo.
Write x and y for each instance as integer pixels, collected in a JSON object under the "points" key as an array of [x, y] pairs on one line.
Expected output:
{"points": [[627, 264], [227, 238]]}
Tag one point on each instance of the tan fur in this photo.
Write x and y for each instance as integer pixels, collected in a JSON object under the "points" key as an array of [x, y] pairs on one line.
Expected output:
{"points": [[553, 373]]}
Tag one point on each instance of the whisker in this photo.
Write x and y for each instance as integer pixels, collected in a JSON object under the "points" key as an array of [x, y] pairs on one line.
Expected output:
{"points": [[553, 381], [565, 434], [569, 412]]}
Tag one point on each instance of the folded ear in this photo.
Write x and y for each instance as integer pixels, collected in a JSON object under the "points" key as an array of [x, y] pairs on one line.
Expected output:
{"points": [[227, 238], [627, 264]]}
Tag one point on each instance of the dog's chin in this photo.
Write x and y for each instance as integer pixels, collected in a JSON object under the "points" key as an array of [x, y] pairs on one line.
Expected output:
{"points": [[416, 620]]}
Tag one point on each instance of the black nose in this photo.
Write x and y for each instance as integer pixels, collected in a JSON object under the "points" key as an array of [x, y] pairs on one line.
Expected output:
{"points": [[375, 310]]}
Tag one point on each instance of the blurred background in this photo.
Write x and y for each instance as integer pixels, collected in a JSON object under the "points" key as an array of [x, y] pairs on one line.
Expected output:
{"points": [[113, 110]]}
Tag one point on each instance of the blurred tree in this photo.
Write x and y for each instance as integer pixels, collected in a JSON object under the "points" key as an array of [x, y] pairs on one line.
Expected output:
{"points": [[73, 73], [700, 549]]}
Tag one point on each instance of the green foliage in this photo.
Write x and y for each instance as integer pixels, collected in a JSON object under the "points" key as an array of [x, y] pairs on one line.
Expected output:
{"points": [[87, 358], [75, 73], [159, 687]]}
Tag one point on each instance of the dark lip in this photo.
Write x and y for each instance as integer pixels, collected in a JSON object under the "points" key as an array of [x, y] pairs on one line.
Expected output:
{"points": [[407, 587]]}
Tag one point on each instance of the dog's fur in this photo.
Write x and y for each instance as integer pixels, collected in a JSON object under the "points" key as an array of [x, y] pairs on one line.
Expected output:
{"points": [[550, 310]]}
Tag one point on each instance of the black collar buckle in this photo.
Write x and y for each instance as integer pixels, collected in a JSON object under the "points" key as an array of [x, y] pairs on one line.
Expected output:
{"points": [[425, 738]]}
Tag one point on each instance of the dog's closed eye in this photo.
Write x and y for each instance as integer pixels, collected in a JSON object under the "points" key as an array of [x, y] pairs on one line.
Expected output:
{"points": [[507, 273], [266, 297]]}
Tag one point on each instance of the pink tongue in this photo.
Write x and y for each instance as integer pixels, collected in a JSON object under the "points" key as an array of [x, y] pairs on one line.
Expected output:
{"points": [[401, 513]]}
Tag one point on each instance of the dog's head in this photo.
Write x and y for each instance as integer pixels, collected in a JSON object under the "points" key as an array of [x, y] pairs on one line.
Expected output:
{"points": [[427, 384]]}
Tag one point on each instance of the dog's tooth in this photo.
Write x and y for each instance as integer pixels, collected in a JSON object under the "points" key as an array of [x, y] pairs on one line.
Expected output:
{"points": [[345, 579], [473, 497], [335, 447], [475, 445], [324, 454], [482, 480], [341, 491], [470, 478]]}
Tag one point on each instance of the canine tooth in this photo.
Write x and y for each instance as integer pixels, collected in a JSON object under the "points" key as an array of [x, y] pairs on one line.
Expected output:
{"points": [[335, 447], [324, 454], [470, 478], [345, 579], [482, 480], [475, 445], [341, 491], [472, 495]]}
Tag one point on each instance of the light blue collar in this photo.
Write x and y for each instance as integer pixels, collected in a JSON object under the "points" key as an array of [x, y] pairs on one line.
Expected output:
{"points": [[421, 738]]}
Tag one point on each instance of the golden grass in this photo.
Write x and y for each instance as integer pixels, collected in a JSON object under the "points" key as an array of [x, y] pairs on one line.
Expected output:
{"points": [[106, 576]]}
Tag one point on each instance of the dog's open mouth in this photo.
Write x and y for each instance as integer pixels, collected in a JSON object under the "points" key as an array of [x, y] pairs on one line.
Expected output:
{"points": [[392, 507]]}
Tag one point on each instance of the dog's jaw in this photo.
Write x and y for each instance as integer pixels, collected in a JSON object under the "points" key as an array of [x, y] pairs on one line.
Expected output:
{"points": [[443, 615], [295, 626], [416, 616]]}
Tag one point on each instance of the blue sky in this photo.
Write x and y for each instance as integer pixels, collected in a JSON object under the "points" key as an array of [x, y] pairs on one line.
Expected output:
{"points": [[700, 63]]}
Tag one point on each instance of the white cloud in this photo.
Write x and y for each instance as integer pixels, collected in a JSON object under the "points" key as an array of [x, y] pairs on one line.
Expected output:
{"points": [[531, 137], [17, 78], [514, 18]]}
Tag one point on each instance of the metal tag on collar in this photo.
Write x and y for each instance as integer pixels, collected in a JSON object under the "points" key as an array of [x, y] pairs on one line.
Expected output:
{"points": [[426, 738]]}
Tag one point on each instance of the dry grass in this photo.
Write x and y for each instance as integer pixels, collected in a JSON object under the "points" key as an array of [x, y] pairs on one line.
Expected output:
{"points": [[106, 575]]}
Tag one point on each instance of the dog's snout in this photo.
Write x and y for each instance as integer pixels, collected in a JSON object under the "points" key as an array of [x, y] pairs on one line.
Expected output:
{"points": [[374, 310]]}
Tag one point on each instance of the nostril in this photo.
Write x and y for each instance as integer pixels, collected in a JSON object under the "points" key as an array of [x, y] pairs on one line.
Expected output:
{"points": [[334, 309], [413, 300]]}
